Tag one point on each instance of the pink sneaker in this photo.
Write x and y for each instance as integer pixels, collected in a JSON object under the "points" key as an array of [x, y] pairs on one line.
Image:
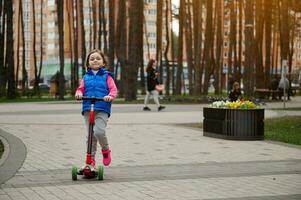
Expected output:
{"points": [[106, 156]]}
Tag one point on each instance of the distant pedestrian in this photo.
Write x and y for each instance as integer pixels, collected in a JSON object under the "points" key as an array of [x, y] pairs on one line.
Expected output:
{"points": [[152, 82], [273, 86], [235, 93], [284, 86], [98, 82]]}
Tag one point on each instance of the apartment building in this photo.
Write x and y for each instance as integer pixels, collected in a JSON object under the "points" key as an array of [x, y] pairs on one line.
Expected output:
{"points": [[50, 36]]}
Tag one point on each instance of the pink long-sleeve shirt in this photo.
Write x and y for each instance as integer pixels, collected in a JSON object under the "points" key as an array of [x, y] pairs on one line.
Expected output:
{"points": [[111, 85]]}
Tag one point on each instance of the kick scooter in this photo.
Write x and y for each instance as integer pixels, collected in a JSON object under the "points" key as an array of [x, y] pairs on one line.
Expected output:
{"points": [[88, 171]]}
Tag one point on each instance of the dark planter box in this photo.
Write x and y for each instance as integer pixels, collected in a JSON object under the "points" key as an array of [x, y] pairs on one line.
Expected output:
{"points": [[234, 124]]}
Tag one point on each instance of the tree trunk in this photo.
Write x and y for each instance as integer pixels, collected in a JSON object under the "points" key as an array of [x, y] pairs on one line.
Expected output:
{"points": [[146, 37], [284, 32], [3, 77], [188, 39], [143, 91], [100, 23], [94, 23], [90, 26], [73, 40], [180, 50], [293, 26], [135, 45], [36, 80], [18, 45], [208, 46], [173, 70], [104, 27], [159, 37], [11, 90], [121, 34], [60, 17], [197, 24], [82, 35], [241, 5], [258, 44], [219, 47], [167, 84], [249, 37], [111, 35], [24, 73], [232, 44], [268, 10], [41, 42]]}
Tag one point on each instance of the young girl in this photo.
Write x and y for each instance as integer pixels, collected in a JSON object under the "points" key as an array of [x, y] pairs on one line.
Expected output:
{"points": [[152, 81], [235, 93], [98, 82]]}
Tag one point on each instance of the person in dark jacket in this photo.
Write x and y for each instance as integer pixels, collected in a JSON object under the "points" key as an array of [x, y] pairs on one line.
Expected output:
{"points": [[235, 93], [152, 82]]}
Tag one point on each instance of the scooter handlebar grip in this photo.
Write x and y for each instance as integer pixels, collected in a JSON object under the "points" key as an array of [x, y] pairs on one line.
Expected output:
{"points": [[92, 98]]}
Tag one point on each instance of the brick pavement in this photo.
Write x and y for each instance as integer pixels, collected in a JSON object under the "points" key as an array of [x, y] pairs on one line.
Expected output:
{"points": [[152, 158]]}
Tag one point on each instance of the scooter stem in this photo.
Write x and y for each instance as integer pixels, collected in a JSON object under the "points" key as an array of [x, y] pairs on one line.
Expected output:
{"points": [[92, 116]]}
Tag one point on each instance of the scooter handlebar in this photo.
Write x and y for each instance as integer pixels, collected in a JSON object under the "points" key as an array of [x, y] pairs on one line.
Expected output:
{"points": [[92, 98]]}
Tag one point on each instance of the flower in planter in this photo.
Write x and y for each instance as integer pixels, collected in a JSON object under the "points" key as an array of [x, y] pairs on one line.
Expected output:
{"points": [[239, 104], [218, 104]]}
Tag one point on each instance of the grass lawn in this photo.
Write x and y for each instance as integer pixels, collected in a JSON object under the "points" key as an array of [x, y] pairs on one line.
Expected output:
{"points": [[284, 129]]}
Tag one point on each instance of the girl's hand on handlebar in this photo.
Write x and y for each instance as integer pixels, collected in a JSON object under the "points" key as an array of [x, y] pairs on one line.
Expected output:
{"points": [[78, 95], [108, 98]]}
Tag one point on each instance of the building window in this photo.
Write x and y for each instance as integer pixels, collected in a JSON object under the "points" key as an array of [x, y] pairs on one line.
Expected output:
{"points": [[150, 12], [151, 23], [150, 1], [151, 34], [50, 46], [51, 3], [51, 24]]}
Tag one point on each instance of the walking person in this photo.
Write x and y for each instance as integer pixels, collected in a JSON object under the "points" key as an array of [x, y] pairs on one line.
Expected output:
{"points": [[98, 82], [152, 82], [284, 87]]}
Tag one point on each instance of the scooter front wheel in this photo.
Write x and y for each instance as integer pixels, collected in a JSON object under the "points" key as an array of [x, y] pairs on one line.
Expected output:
{"points": [[100, 172], [74, 173]]}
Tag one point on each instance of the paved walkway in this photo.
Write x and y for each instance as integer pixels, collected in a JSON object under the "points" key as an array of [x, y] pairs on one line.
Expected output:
{"points": [[152, 157]]}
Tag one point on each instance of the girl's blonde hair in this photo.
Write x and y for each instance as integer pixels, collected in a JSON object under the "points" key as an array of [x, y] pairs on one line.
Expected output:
{"points": [[235, 84], [104, 58]]}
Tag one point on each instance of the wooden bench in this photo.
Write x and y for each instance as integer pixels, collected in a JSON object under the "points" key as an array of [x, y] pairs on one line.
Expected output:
{"points": [[265, 93]]}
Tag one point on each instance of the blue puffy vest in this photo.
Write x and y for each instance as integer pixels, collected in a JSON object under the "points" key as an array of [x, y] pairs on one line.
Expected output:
{"points": [[96, 86]]}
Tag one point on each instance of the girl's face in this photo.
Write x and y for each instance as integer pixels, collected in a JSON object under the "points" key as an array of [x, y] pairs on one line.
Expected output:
{"points": [[96, 61]]}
